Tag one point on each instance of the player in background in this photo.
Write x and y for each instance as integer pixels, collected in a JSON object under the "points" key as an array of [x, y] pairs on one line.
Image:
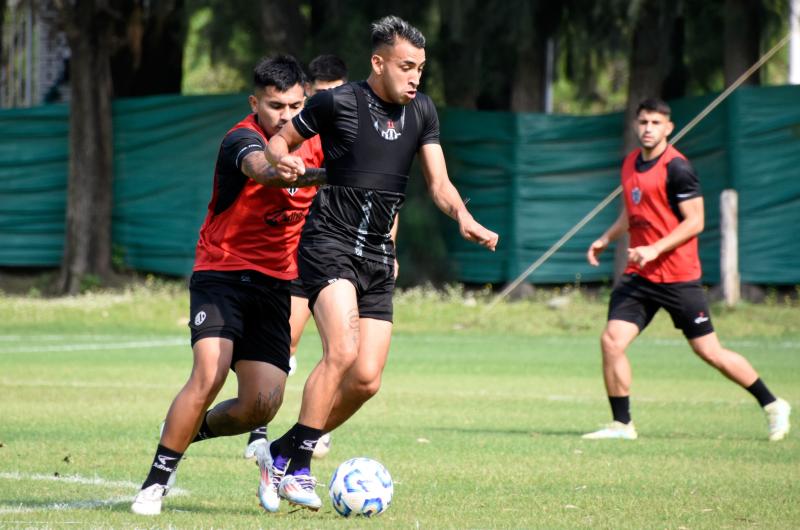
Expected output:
{"points": [[371, 131], [239, 291], [663, 213]]}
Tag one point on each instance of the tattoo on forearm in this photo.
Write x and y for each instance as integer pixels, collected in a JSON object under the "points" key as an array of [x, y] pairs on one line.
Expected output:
{"points": [[255, 166]]}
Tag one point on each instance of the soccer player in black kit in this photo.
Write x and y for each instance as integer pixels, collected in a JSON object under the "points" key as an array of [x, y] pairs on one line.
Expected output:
{"points": [[370, 132]]}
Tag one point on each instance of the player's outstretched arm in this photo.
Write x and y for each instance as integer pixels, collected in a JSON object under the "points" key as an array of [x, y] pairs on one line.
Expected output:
{"points": [[447, 199], [278, 153], [256, 166], [597, 247]]}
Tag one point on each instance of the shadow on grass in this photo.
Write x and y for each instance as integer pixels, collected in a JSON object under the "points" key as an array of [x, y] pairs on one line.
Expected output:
{"points": [[575, 433], [508, 432]]}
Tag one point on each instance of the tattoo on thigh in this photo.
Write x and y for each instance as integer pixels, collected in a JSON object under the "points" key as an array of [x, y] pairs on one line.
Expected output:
{"points": [[353, 324]]}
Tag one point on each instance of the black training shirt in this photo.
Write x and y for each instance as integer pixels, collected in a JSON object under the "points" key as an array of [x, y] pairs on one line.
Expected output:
{"points": [[359, 220]]}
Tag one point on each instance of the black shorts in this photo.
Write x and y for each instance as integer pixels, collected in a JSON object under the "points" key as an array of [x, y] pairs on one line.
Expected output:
{"points": [[297, 289], [321, 265], [249, 308], [637, 300]]}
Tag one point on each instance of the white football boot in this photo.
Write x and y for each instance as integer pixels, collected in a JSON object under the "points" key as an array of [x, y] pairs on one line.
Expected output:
{"points": [[250, 450], [267, 485], [148, 500], [299, 490], [778, 418], [323, 446], [614, 431]]}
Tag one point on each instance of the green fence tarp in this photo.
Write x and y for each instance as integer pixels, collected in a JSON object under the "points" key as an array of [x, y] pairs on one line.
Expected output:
{"points": [[530, 177], [165, 150]]}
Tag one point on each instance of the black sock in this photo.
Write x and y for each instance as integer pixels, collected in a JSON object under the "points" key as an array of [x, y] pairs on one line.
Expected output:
{"points": [[620, 408], [761, 392], [204, 433], [257, 434], [282, 446], [164, 464], [304, 439]]}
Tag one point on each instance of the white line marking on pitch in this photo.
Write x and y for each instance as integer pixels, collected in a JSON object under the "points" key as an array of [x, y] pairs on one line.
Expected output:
{"points": [[71, 479], [83, 336], [62, 506], [78, 479], [80, 384], [95, 346], [74, 505]]}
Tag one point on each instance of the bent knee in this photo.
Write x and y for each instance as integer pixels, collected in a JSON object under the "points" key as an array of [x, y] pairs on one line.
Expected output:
{"points": [[366, 388], [341, 358], [611, 345], [206, 385], [711, 356]]}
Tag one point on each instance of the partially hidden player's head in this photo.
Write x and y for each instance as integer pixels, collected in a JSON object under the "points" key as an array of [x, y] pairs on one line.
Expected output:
{"points": [[325, 72], [278, 93], [653, 124], [398, 57]]}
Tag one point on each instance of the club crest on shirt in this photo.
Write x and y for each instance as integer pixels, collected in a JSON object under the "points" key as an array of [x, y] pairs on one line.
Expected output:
{"points": [[636, 195]]}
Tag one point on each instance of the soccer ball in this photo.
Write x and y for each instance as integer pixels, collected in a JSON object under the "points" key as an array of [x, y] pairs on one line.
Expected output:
{"points": [[361, 486], [323, 446]]}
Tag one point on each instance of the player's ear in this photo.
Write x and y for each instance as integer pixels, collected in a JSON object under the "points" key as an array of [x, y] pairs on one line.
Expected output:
{"points": [[377, 64], [253, 102], [670, 127]]}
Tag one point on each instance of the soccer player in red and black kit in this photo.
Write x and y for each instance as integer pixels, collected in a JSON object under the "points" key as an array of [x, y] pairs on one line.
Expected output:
{"points": [[371, 132], [239, 290], [663, 213]]}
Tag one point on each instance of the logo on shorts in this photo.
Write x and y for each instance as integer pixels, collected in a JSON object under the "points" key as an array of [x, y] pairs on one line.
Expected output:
{"points": [[332, 281], [636, 195], [199, 318], [701, 317]]}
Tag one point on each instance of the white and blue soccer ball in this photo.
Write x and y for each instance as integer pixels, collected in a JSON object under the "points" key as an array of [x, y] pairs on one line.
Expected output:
{"points": [[361, 486]]}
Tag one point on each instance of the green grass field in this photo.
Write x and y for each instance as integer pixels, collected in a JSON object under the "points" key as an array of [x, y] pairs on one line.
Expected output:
{"points": [[478, 421]]}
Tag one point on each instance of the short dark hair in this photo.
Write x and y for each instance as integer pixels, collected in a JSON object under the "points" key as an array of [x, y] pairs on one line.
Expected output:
{"points": [[327, 67], [654, 105], [281, 71], [386, 30]]}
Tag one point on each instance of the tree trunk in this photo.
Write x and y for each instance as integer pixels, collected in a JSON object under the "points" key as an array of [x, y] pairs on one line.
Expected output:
{"points": [[283, 27], [150, 58], [539, 21], [461, 44], [742, 37], [648, 68], [87, 245]]}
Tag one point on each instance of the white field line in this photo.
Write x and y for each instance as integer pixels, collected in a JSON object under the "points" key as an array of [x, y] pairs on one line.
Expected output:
{"points": [[132, 345], [81, 336], [73, 479], [79, 384], [63, 506]]}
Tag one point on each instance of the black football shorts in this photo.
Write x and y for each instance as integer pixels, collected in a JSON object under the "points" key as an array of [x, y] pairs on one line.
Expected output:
{"points": [[321, 265], [247, 307], [637, 300]]}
